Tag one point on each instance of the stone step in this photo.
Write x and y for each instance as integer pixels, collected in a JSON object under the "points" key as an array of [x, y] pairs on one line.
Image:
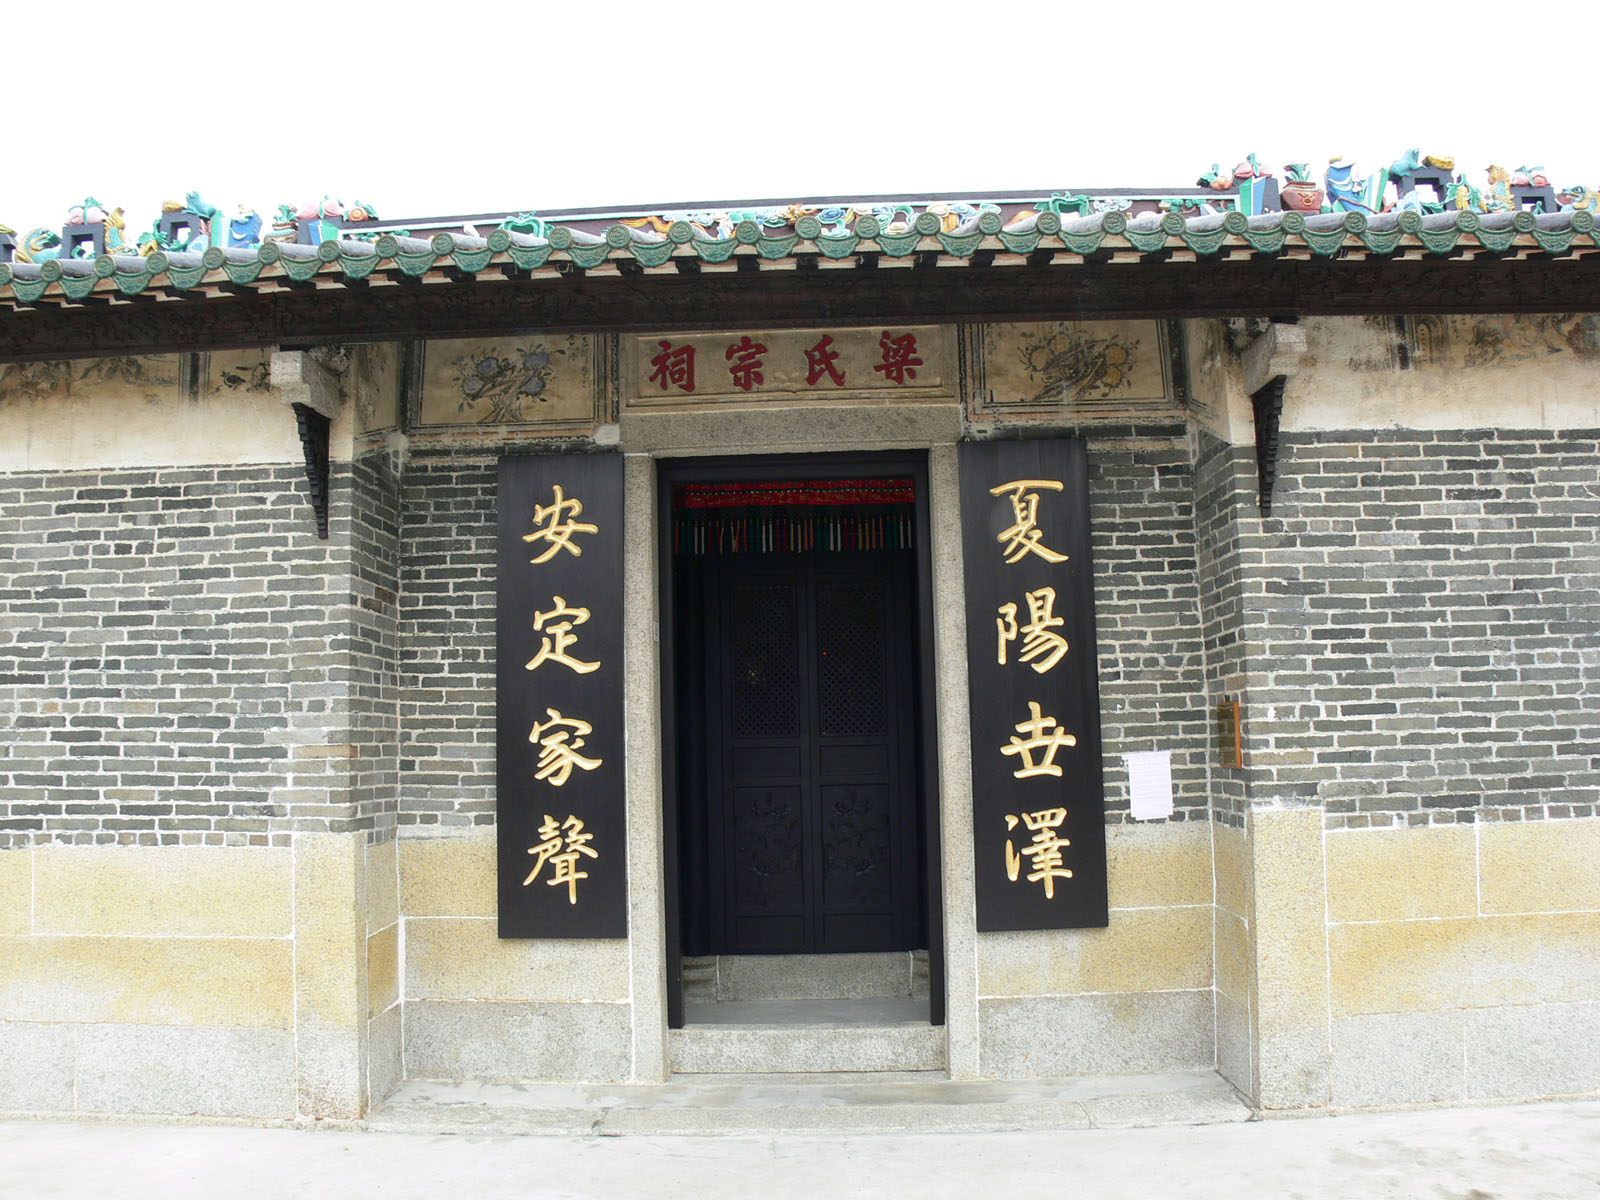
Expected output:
{"points": [[790, 1036], [862, 1102], [739, 977], [723, 1049], [699, 980]]}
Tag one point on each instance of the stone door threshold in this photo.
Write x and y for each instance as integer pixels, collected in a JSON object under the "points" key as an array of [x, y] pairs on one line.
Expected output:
{"points": [[867, 1012], [835, 1102], [885, 1033]]}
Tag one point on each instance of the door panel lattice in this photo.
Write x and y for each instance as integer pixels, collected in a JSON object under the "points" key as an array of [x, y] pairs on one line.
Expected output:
{"points": [[764, 660], [851, 663]]}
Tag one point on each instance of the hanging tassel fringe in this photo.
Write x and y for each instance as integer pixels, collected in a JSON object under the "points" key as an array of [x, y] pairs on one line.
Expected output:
{"points": [[780, 533]]}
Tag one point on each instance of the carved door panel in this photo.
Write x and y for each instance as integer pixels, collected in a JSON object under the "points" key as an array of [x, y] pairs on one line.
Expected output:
{"points": [[810, 754]]}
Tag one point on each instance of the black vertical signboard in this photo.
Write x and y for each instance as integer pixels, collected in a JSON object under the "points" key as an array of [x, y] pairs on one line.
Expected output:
{"points": [[561, 819], [1038, 804]]}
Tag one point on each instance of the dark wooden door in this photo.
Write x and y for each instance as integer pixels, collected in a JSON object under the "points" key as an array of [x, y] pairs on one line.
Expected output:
{"points": [[810, 754]]}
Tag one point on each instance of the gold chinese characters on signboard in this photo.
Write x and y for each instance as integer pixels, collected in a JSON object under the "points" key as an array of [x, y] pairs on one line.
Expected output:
{"points": [[564, 844], [1042, 647], [560, 737], [1024, 536], [1039, 737], [1042, 851]]}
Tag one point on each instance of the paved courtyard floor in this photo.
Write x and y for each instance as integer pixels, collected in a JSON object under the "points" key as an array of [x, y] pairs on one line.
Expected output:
{"points": [[1512, 1153]]}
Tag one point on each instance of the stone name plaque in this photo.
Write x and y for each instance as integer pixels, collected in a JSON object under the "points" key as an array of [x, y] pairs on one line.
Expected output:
{"points": [[881, 362]]}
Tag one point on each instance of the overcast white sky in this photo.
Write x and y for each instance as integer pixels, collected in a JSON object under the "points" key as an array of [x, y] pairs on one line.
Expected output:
{"points": [[435, 109]]}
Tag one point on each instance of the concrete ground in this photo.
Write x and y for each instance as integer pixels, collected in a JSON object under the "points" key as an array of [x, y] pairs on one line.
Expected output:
{"points": [[1515, 1153]]}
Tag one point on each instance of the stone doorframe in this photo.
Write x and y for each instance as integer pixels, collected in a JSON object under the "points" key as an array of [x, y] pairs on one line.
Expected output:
{"points": [[947, 762]]}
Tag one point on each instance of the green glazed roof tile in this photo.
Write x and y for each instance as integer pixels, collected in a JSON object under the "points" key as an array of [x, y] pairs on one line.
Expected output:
{"points": [[131, 283], [715, 250], [1084, 243], [837, 245], [359, 266], [530, 258], [953, 232], [1554, 241], [1378, 239], [78, 288], [776, 247], [899, 245], [1020, 243], [242, 272], [473, 261], [1266, 239], [1145, 239], [652, 254], [588, 256], [1207, 241], [1324, 241], [300, 269], [1438, 232], [961, 245]]}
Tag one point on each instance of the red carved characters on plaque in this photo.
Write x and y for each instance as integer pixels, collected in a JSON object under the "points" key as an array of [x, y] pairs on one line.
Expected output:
{"points": [[674, 367], [900, 359], [745, 363], [820, 360]]}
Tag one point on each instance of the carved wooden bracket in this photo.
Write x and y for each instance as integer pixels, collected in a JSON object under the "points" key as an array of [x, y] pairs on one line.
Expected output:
{"points": [[1267, 401], [1273, 352], [314, 428], [310, 382]]}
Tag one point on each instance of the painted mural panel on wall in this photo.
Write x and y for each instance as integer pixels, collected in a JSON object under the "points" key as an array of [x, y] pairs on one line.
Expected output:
{"points": [[559, 810], [1038, 810], [236, 372], [149, 377], [808, 366], [548, 385], [1421, 342], [1079, 370], [374, 386]]}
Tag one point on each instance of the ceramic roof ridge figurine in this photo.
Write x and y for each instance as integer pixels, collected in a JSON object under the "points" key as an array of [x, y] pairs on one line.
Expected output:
{"points": [[1247, 187], [1299, 192]]}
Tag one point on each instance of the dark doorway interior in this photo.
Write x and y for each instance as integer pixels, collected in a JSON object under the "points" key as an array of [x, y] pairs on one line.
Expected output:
{"points": [[800, 788], [800, 834]]}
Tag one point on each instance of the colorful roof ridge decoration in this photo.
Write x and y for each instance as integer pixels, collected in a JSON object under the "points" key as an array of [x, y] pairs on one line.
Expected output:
{"points": [[1414, 207], [983, 239], [1424, 183]]}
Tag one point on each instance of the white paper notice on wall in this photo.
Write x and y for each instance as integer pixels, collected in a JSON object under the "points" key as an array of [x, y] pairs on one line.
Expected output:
{"points": [[1150, 784]]}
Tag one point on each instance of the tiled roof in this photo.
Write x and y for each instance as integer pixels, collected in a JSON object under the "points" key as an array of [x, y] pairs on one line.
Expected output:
{"points": [[929, 238]]}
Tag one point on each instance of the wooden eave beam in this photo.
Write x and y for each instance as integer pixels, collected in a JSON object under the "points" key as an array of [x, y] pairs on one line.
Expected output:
{"points": [[769, 296]]}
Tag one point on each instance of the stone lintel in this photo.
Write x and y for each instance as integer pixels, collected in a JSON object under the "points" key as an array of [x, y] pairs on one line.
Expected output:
{"points": [[309, 379], [1278, 351]]}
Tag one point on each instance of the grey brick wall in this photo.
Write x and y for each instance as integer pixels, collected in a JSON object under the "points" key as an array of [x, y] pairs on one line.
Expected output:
{"points": [[1422, 613], [1225, 494], [374, 703], [1147, 611], [176, 650], [447, 640]]}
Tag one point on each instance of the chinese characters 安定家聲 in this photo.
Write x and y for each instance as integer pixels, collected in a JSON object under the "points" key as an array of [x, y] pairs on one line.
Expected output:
{"points": [[561, 738]]}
